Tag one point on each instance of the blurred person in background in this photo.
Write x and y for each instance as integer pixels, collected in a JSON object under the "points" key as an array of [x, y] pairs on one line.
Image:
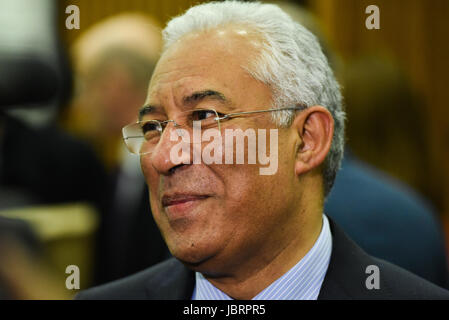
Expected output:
{"points": [[383, 215], [40, 164], [113, 62]]}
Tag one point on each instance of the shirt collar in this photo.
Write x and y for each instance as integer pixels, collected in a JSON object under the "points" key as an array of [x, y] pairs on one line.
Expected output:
{"points": [[302, 282]]}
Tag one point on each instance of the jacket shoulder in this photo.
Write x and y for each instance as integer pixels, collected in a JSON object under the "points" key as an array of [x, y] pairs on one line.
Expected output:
{"points": [[402, 284], [166, 280], [353, 274]]}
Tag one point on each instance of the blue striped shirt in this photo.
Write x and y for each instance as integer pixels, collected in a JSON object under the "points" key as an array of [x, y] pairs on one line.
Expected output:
{"points": [[302, 282]]}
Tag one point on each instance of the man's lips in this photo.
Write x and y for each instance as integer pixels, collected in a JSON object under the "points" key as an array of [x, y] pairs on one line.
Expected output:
{"points": [[171, 200]]}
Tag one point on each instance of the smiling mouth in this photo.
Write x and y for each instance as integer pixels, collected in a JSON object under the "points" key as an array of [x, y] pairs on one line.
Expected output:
{"points": [[168, 201]]}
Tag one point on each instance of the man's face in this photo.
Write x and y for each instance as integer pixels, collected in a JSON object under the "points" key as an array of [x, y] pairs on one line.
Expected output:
{"points": [[215, 216]]}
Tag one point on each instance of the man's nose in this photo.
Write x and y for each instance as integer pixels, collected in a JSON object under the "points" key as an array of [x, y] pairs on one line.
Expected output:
{"points": [[170, 151]]}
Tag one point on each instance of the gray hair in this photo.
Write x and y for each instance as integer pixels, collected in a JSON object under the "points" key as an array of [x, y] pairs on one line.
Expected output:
{"points": [[291, 62]]}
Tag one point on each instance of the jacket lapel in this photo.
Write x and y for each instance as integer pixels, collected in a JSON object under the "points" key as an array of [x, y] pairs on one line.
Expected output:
{"points": [[346, 277], [173, 282]]}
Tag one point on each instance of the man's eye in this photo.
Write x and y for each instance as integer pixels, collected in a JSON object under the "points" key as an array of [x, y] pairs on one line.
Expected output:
{"points": [[149, 127], [203, 114]]}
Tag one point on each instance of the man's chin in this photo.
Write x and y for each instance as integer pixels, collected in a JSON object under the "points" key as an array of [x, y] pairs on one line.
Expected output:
{"points": [[193, 258], [207, 267]]}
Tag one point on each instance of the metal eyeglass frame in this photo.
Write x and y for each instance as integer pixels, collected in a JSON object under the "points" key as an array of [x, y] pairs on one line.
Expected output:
{"points": [[231, 115], [162, 124]]}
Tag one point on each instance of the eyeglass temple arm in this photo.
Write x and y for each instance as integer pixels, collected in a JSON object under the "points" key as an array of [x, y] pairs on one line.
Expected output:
{"points": [[229, 115]]}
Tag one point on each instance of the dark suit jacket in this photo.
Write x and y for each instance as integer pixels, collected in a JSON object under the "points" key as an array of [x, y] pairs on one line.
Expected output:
{"points": [[383, 216], [345, 279]]}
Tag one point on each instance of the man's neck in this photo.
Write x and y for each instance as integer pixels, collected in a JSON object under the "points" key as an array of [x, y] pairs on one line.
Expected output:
{"points": [[254, 276]]}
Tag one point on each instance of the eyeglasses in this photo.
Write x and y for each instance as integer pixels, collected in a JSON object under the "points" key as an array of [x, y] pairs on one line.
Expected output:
{"points": [[142, 137]]}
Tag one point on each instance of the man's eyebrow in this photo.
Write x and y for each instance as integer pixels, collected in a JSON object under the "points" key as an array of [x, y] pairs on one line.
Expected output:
{"points": [[146, 109], [200, 95], [194, 97]]}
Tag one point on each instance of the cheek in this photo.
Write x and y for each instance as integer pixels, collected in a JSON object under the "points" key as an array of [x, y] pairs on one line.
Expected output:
{"points": [[151, 180], [150, 174], [253, 195], [251, 209], [245, 191]]}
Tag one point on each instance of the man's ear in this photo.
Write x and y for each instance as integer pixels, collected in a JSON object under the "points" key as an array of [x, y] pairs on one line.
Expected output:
{"points": [[315, 127]]}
